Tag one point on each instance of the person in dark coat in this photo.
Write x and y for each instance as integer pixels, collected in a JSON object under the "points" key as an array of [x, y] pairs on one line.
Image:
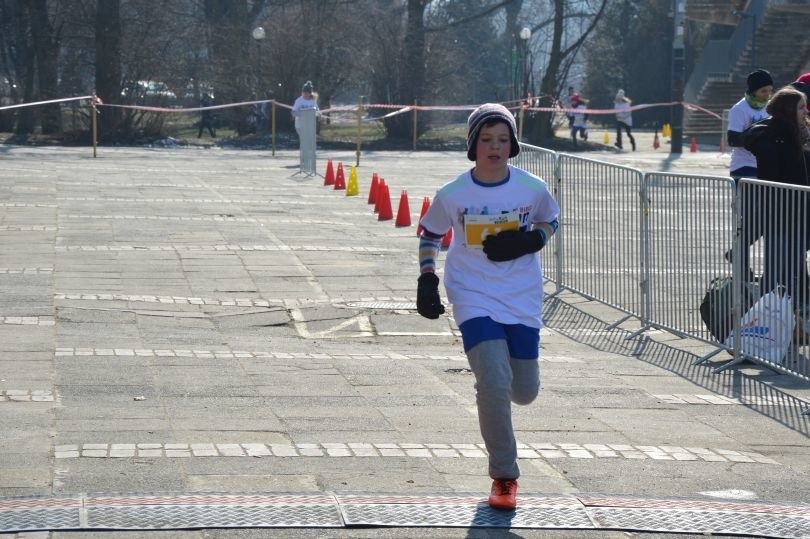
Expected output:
{"points": [[803, 85], [206, 117], [777, 144]]}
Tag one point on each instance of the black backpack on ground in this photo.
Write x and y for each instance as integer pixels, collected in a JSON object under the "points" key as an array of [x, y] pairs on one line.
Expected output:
{"points": [[717, 307]]}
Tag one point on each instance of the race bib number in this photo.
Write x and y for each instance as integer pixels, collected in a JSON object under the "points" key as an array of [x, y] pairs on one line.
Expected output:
{"points": [[478, 227]]}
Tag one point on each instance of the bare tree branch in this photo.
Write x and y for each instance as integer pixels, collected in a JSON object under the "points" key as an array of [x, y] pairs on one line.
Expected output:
{"points": [[465, 20]]}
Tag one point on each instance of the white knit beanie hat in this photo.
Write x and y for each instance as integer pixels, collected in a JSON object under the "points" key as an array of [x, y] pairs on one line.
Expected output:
{"points": [[490, 112]]}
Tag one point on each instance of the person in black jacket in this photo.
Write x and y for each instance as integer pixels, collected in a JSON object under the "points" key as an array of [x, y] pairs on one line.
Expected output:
{"points": [[777, 144], [206, 117]]}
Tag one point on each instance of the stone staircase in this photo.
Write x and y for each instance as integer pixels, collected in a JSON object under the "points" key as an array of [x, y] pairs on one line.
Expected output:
{"points": [[716, 11], [782, 47]]}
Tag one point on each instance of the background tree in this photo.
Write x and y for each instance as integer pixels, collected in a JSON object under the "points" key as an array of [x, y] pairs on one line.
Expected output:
{"points": [[18, 59], [410, 86], [327, 42], [573, 22], [632, 38], [432, 52], [228, 33], [45, 44], [108, 62]]}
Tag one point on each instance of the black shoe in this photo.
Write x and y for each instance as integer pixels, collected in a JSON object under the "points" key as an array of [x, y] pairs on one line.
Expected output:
{"points": [[619, 146]]}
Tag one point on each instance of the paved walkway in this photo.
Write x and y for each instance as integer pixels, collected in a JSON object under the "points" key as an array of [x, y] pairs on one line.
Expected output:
{"points": [[205, 338]]}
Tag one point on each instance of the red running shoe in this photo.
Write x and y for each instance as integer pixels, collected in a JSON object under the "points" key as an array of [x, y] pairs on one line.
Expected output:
{"points": [[503, 494]]}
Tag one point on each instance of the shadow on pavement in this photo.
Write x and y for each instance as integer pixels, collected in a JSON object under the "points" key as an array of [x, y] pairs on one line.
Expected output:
{"points": [[767, 400]]}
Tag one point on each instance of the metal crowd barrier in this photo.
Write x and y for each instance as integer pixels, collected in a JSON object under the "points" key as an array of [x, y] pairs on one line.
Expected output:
{"points": [[543, 163], [771, 246], [601, 232], [651, 245], [690, 226]]}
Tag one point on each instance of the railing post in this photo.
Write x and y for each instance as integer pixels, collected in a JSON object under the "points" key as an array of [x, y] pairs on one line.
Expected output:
{"points": [[645, 254], [559, 240], [359, 130], [415, 125], [94, 115], [520, 122], [273, 127]]}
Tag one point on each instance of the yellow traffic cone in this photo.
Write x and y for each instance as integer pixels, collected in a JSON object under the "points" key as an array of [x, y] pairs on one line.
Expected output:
{"points": [[352, 189], [606, 138]]}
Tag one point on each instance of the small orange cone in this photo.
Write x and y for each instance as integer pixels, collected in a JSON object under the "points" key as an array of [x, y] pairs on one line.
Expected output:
{"points": [[386, 212], [425, 207], [656, 143], [329, 179], [447, 239], [340, 179], [378, 196], [404, 211], [693, 145], [372, 192]]}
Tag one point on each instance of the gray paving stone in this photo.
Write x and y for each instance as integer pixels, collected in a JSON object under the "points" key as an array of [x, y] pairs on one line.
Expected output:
{"points": [[313, 251]]}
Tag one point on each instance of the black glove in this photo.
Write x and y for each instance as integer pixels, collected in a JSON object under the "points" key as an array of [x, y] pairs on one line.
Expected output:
{"points": [[512, 244], [428, 303]]}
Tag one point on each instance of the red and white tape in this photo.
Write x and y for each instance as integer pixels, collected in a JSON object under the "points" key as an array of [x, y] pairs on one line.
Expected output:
{"points": [[400, 109], [35, 103]]}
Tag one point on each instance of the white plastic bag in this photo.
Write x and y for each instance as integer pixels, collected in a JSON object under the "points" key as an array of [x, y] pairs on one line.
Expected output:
{"points": [[766, 330]]}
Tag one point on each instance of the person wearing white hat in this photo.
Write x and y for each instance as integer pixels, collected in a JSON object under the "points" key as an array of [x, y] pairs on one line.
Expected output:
{"points": [[624, 119]]}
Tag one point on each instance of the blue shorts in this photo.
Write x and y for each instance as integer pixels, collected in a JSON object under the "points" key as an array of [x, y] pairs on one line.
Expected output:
{"points": [[523, 341]]}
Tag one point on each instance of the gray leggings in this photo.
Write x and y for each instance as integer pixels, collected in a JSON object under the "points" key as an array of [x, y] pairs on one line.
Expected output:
{"points": [[499, 381]]}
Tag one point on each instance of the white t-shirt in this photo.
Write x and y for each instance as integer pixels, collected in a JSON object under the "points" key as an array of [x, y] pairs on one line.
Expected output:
{"points": [[740, 117], [300, 104], [508, 292], [579, 117], [623, 113]]}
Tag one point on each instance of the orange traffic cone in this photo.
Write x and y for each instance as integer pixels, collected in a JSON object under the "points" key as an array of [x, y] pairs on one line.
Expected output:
{"points": [[656, 143], [404, 211], [425, 207], [329, 179], [386, 212], [693, 145], [372, 192], [378, 196], [447, 239], [340, 179]]}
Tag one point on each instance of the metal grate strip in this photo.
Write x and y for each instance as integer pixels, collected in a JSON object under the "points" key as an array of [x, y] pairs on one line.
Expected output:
{"points": [[706, 522], [151, 511]]}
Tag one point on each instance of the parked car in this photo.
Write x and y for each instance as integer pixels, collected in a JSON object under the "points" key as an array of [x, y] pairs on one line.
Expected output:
{"points": [[148, 91]]}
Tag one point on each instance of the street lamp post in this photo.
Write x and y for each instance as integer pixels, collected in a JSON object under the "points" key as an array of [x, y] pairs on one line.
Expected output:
{"points": [[525, 35], [678, 76], [258, 34]]}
